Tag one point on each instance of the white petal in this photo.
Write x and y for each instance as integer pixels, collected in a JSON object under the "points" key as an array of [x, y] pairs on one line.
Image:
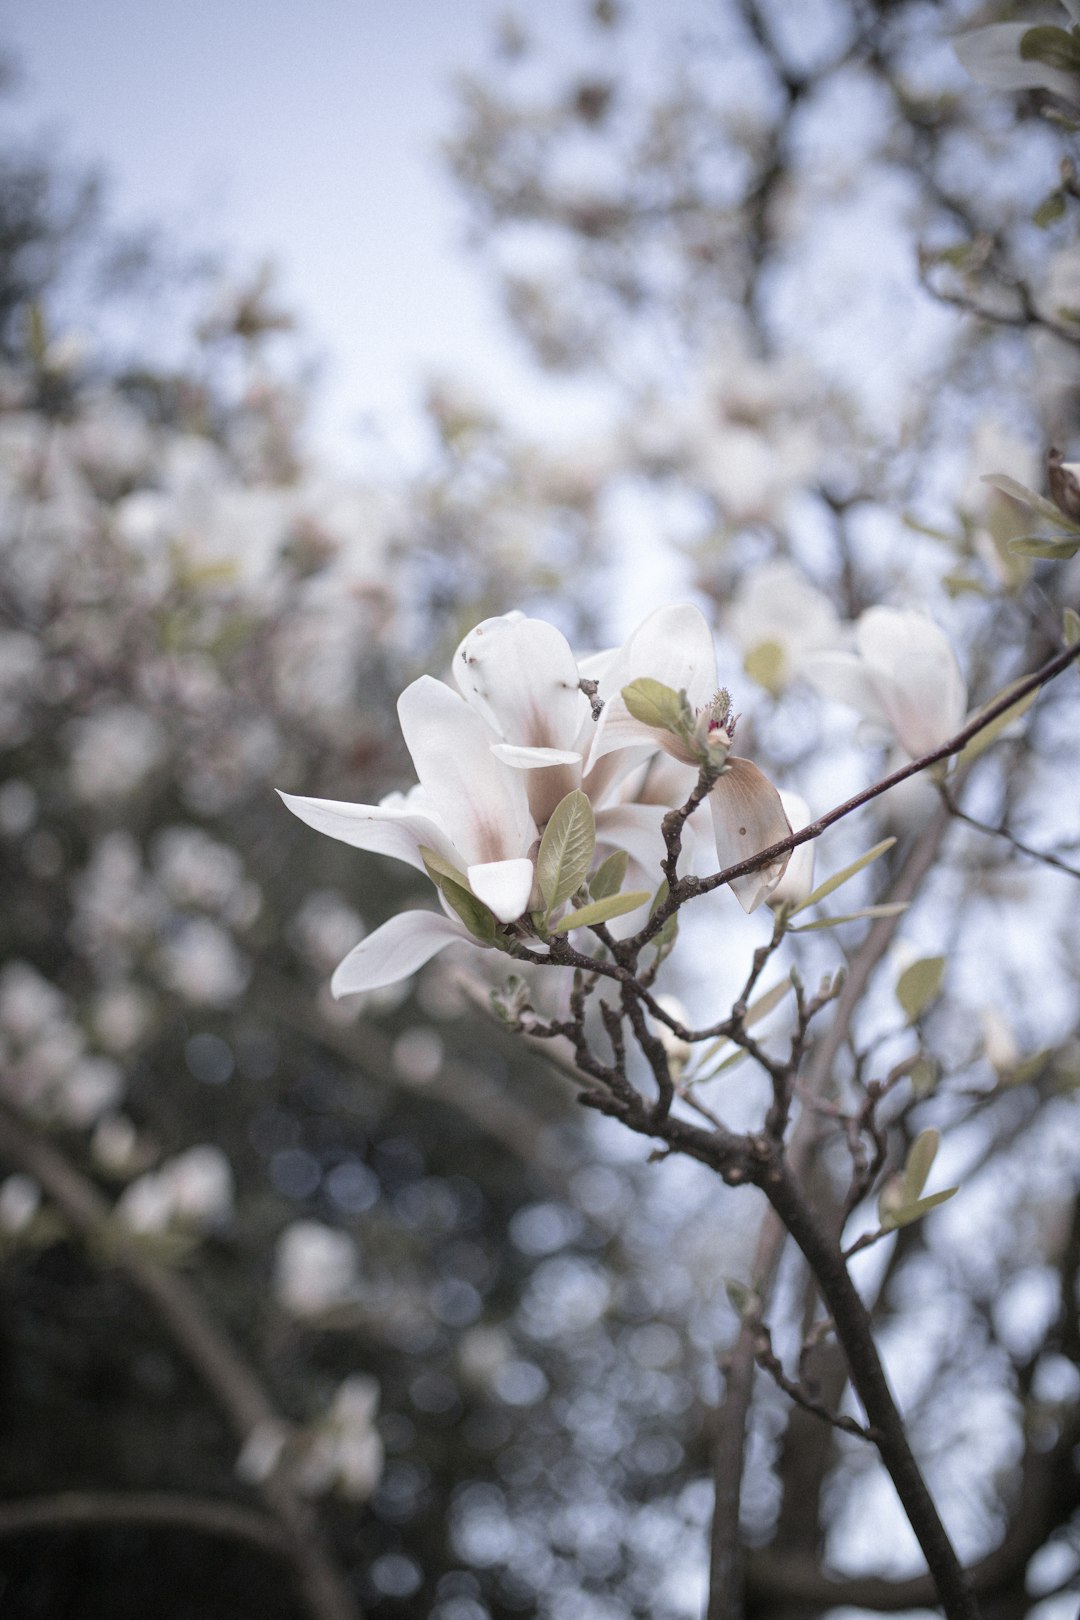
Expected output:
{"points": [[844, 677], [534, 759], [992, 56], [382, 829], [917, 677], [635, 828], [483, 804], [503, 886], [798, 881], [674, 645], [397, 949], [747, 817], [522, 676]]}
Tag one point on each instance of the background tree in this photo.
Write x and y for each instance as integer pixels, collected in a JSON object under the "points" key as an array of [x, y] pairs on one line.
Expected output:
{"points": [[797, 257]]}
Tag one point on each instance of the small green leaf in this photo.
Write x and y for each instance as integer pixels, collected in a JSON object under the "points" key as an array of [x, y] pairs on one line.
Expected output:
{"points": [[989, 734], [743, 1300], [1044, 546], [1049, 210], [1055, 47], [1027, 497], [838, 878], [924, 1077], [665, 939], [609, 876], [919, 1163], [919, 985], [615, 905], [439, 870], [890, 908], [566, 849], [907, 1213], [1071, 622], [655, 704], [765, 664], [474, 914]]}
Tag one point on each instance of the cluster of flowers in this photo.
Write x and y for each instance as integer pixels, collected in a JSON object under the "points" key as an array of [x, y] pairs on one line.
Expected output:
{"points": [[603, 746]]}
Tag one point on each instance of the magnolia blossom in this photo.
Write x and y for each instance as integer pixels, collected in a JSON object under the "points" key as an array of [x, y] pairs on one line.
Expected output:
{"points": [[495, 758], [992, 56], [674, 646], [903, 677], [778, 618]]}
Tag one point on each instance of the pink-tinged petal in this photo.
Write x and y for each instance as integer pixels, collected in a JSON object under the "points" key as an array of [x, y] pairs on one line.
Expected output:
{"points": [[382, 829], [505, 887], [395, 950], [798, 881], [483, 804], [992, 56], [747, 817], [635, 828], [551, 773], [674, 645], [916, 675], [844, 678], [522, 676]]}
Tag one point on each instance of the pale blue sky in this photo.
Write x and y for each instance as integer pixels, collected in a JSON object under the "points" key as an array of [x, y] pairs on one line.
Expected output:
{"points": [[307, 132]]}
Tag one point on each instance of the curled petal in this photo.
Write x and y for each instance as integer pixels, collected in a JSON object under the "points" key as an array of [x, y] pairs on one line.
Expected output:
{"points": [[396, 830], [395, 950], [504, 887], [747, 817], [674, 645], [483, 805], [522, 676], [534, 759]]}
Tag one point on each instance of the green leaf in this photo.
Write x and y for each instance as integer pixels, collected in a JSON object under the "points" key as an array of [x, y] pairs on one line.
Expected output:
{"points": [[609, 876], [1049, 210], [919, 985], [924, 1077], [474, 914], [1028, 497], [1044, 546], [757, 1010], [989, 734], [1055, 47], [743, 1300], [765, 664], [890, 908], [919, 1163], [655, 704], [1071, 622], [838, 878], [454, 887], [908, 1213], [440, 871], [665, 939], [566, 849], [615, 905]]}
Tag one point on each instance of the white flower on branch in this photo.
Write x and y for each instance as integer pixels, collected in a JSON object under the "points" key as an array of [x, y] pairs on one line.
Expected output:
{"points": [[674, 647], [903, 677]]}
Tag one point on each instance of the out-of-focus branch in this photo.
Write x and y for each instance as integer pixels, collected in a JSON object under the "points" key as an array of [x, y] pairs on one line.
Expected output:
{"points": [[235, 1387], [76, 1510]]}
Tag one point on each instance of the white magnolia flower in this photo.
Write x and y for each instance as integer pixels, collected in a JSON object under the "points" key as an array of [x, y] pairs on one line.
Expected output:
{"points": [[493, 761], [992, 56], [316, 1267], [675, 647], [777, 618], [903, 677]]}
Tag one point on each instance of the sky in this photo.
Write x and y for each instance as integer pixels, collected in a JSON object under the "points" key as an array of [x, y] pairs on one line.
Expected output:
{"points": [[307, 134]]}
